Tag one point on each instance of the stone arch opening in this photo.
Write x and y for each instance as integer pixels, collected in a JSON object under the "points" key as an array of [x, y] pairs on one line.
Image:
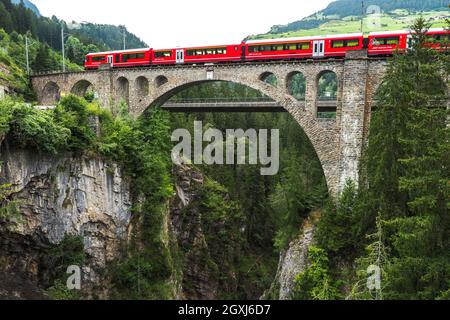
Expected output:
{"points": [[327, 85], [84, 88], [123, 90], [296, 85], [269, 78], [51, 94], [287, 124], [324, 141], [160, 81], [142, 86]]}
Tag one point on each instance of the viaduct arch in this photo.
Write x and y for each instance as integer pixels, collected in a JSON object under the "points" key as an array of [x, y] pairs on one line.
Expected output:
{"points": [[338, 142]]}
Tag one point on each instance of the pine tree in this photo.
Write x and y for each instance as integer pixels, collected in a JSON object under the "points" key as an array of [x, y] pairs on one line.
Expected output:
{"points": [[408, 171], [6, 22], [43, 61]]}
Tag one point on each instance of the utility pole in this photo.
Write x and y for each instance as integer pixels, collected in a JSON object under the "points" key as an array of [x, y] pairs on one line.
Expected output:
{"points": [[63, 49], [124, 38], [27, 54], [362, 16]]}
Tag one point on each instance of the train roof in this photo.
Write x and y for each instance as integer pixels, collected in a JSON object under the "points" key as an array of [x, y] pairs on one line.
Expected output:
{"points": [[199, 47], [338, 36], [402, 31], [120, 51]]}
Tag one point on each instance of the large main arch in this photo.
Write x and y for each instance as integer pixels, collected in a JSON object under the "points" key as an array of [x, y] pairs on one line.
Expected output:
{"points": [[323, 139]]}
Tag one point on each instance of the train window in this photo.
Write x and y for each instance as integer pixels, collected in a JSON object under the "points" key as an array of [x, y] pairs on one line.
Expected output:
{"points": [[163, 54], [291, 46], [117, 58], [98, 59], [393, 41], [133, 56], [385, 41], [352, 43], [277, 47], [337, 44], [344, 43], [304, 46], [442, 38]]}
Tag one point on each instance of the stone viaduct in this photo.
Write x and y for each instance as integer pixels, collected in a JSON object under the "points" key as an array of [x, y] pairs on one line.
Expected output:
{"points": [[338, 142]]}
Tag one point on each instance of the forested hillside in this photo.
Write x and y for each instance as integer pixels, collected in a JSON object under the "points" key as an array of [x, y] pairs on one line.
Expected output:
{"points": [[81, 38], [28, 4]]}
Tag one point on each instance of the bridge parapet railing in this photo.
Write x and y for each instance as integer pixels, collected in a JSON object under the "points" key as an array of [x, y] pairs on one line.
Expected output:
{"points": [[221, 100], [327, 98]]}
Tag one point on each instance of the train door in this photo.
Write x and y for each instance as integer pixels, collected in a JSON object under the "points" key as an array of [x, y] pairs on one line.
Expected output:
{"points": [[110, 60], [180, 56], [409, 42], [319, 48]]}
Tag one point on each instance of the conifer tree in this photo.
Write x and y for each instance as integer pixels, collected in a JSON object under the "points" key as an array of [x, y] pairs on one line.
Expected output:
{"points": [[43, 61], [408, 171]]}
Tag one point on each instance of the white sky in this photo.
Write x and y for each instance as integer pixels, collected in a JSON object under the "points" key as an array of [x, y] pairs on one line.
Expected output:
{"points": [[172, 23]]}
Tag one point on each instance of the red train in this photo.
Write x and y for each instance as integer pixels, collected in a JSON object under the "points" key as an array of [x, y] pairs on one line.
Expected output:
{"points": [[377, 44]]}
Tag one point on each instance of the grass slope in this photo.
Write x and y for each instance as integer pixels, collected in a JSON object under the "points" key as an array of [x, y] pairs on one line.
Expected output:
{"points": [[395, 20]]}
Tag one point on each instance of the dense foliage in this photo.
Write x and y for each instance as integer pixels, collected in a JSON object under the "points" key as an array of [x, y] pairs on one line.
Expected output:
{"points": [[13, 61], [69, 252], [403, 200], [142, 146], [273, 208]]}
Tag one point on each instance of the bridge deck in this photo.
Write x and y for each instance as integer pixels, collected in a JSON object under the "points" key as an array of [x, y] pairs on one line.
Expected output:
{"points": [[235, 106]]}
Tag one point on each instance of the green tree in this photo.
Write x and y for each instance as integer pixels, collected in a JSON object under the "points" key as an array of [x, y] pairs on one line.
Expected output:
{"points": [[338, 230], [315, 283], [408, 171], [43, 61], [73, 113], [6, 21]]}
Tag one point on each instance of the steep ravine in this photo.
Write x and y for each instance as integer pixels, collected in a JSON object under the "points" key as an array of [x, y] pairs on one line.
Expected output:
{"points": [[293, 261], [58, 197], [201, 271], [89, 197]]}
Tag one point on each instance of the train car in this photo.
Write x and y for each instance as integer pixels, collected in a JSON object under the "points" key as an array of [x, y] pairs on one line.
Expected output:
{"points": [[339, 45], [198, 55], [387, 42], [438, 38], [119, 59], [303, 47]]}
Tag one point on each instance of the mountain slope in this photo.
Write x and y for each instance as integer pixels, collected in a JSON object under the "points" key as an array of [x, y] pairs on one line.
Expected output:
{"points": [[28, 4], [344, 16], [109, 36]]}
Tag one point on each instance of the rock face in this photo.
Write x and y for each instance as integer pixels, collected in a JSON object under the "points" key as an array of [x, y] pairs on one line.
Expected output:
{"points": [[294, 261], [58, 197], [198, 282]]}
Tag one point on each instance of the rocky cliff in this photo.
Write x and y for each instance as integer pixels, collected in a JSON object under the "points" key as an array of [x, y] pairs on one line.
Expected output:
{"points": [[56, 197], [293, 261], [207, 236], [198, 282]]}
